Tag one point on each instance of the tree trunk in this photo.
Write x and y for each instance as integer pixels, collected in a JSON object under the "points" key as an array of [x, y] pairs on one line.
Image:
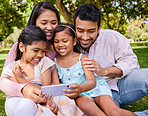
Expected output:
{"points": [[5, 45], [63, 11]]}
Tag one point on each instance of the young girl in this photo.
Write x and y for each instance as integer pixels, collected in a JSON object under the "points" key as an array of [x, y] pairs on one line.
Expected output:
{"points": [[32, 67], [45, 16], [87, 89]]}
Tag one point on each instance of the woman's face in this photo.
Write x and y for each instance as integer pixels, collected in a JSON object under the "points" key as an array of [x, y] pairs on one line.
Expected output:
{"points": [[47, 21]]}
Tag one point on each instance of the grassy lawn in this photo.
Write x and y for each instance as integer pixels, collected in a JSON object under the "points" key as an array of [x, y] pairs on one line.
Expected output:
{"points": [[3, 55], [140, 105]]}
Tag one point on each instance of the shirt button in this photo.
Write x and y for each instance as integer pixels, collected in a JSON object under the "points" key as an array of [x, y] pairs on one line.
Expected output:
{"points": [[67, 69], [69, 79], [79, 74]]}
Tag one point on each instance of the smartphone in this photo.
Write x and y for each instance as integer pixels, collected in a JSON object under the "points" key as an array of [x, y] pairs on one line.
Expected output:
{"points": [[55, 90]]}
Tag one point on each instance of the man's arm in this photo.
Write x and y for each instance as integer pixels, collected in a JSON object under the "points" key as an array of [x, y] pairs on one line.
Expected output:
{"points": [[120, 59], [93, 65]]}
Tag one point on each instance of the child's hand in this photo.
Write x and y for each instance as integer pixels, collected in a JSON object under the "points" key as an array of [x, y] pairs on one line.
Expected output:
{"points": [[73, 92], [51, 105], [17, 71]]}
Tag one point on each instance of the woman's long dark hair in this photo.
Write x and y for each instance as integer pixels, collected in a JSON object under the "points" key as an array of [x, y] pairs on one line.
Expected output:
{"points": [[39, 8], [28, 35]]}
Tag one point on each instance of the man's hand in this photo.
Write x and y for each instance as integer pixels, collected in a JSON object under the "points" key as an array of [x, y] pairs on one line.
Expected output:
{"points": [[94, 66], [73, 92], [110, 72]]}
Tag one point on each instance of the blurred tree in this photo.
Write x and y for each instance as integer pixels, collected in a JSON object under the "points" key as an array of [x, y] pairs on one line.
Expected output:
{"points": [[137, 30], [10, 16], [115, 13]]}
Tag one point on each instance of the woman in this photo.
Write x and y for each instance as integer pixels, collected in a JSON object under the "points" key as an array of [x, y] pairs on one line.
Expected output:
{"points": [[45, 16]]}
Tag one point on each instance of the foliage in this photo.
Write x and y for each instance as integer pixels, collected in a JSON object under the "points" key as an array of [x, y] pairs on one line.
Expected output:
{"points": [[115, 13], [3, 54], [10, 16], [137, 30], [143, 37]]}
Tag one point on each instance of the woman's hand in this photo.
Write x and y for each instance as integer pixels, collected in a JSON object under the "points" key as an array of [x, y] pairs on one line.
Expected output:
{"points": [[74, 92], [52, 105], [34, 93]]}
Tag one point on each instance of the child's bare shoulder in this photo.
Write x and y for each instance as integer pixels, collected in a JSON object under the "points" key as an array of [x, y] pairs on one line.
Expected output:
{"points": [[84, 56]]}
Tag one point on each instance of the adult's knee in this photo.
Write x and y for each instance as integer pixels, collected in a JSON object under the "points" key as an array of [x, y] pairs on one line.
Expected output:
{"points": [[138, 78], [141, 78], [140, 74]]}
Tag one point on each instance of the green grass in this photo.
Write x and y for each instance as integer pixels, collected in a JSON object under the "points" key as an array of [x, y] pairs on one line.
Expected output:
{"points": [[3, 55], [140, 105], [142, 54]]}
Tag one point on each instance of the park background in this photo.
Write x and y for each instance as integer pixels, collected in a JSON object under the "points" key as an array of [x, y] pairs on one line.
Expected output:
{"points": [[128, 17]]}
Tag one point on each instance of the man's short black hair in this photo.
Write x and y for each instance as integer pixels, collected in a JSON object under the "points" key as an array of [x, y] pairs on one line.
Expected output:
{"points": [[88, 12]]}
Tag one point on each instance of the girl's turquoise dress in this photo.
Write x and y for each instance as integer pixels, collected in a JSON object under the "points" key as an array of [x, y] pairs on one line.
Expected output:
{"points": [[75, 74]]}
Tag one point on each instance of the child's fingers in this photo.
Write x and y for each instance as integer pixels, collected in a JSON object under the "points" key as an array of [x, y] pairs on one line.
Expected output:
{"points": [[42, 95], [48, 106], [49, 97], [69, 90], [49, 100], [24, 73], [15, 68], [72, 95], [55, 109], [19, 66], [75, 85], [75, 89]]}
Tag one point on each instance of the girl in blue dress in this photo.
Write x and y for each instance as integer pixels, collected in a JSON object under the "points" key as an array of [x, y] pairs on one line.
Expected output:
{"points": [[87, 89]]}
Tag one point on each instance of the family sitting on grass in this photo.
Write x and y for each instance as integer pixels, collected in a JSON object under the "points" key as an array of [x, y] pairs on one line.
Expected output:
{"points": [[100, 63]]}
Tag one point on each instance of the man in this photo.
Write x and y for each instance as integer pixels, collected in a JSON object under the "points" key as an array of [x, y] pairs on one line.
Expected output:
{"points": [[111, 56]]}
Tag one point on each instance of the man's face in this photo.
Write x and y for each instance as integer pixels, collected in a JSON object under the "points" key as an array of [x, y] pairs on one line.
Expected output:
{"points": [[87, 32]]}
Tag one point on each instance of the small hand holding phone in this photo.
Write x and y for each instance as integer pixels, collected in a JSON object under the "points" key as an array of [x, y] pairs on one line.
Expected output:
{"points": [[55, 90]]}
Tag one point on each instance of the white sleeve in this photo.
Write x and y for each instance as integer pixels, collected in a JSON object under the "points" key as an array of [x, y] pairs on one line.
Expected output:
{"points": [[125, 58], [45, 63]]}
